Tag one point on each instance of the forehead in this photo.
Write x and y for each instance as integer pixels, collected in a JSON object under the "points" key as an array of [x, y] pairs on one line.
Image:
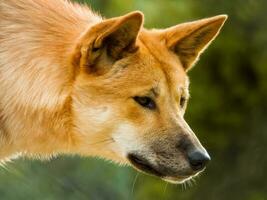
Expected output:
{"points": [[168, 62]]}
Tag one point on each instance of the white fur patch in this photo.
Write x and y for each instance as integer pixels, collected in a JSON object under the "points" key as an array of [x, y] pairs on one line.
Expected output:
{"points": [[93, 118], [126, 137], [99, 115]]}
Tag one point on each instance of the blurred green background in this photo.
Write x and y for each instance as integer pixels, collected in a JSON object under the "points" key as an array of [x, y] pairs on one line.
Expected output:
{"points": [[228, 111]]}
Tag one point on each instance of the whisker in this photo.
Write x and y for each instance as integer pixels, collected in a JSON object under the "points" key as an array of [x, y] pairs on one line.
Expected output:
{"points": [[190, 183], [165, 188], [184, 186], [134, 182], [194, 181]]}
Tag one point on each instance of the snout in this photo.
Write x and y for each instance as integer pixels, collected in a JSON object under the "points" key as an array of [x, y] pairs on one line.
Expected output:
{"points": [[197, 161], [175, 164]]}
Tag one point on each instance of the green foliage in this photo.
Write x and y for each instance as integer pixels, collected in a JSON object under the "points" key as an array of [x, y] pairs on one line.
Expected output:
{"points": [[228, 111]]}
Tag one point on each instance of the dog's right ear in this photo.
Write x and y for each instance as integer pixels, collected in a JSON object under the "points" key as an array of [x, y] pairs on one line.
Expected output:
{"points": [[189, 40], [113, 39]]}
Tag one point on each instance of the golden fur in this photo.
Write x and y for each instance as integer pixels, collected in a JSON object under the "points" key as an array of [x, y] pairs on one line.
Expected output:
{"points": [[67, 78]]}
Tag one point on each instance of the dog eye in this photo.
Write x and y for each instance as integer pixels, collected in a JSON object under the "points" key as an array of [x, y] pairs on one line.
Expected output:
{"points": [[182, 102], [146, 102]]}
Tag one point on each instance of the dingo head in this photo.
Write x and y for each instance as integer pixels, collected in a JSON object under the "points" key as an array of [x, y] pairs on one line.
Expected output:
{"points": [[131, 92]]}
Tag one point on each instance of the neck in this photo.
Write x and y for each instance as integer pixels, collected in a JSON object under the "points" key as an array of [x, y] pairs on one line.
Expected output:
{"points": [[36, 102]]}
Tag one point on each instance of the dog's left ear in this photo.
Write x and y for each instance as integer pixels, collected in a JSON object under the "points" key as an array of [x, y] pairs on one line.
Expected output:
{"points": [[189, 40]]}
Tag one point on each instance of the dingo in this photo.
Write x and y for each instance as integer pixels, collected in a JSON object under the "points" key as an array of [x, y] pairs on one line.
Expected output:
{"points": [[72, 82]]}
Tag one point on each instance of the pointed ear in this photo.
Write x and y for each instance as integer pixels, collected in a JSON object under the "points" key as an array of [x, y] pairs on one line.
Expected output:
{"points": [[189, 40], [114, 38]]}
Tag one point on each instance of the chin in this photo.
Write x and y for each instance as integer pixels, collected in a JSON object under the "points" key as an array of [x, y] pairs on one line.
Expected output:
{"points": [[176, 180]]}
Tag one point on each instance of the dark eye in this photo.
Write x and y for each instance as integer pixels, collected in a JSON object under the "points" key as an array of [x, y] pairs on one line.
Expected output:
{"points": [[182, 102], [146, 102]]}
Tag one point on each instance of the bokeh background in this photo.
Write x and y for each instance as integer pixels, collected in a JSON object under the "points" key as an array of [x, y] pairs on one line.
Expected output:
{"points": [[228, 111]]}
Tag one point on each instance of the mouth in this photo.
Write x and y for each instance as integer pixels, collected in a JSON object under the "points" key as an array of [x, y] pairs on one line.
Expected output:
{"points": [[143, 165]]}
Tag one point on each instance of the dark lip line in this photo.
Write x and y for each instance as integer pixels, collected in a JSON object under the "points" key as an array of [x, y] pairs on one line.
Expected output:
{"points": [[158, 174], [145, 168]]}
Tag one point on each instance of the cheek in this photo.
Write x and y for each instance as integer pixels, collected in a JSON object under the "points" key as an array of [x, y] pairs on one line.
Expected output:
{"points": [[127, 138], [92, 119], [133, 129]]}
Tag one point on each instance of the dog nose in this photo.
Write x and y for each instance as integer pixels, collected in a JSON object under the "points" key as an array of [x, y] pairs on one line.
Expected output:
{"points": [[198, 159]]}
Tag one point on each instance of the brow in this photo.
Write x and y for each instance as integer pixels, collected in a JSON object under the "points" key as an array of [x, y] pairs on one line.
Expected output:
{"points": [[155, 91], [182, 91]]}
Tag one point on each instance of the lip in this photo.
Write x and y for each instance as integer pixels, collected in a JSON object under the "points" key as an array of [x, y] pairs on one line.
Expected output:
{"points": [[143, 165], [177, 180]]}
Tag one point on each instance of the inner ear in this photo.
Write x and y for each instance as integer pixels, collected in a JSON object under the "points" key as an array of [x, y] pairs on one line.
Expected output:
{"points": [[108, 41], [189, 40], [122, 41], [120, 34]]}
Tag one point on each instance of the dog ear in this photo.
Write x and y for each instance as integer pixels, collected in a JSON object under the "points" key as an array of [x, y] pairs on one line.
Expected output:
{"points": [[189, 40], [115, 38]]}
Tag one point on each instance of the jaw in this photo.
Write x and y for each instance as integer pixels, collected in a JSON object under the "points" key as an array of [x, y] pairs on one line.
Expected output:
{"points": [[143, 165], [169, 179], [178, 180]]}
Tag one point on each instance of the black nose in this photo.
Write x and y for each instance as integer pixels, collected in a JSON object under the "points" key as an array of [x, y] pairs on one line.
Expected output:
{"points": [[198, 159]]}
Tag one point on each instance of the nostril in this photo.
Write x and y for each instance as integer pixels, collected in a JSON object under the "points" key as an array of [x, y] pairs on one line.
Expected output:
{"points": [[184, 144], [198, 160]]}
